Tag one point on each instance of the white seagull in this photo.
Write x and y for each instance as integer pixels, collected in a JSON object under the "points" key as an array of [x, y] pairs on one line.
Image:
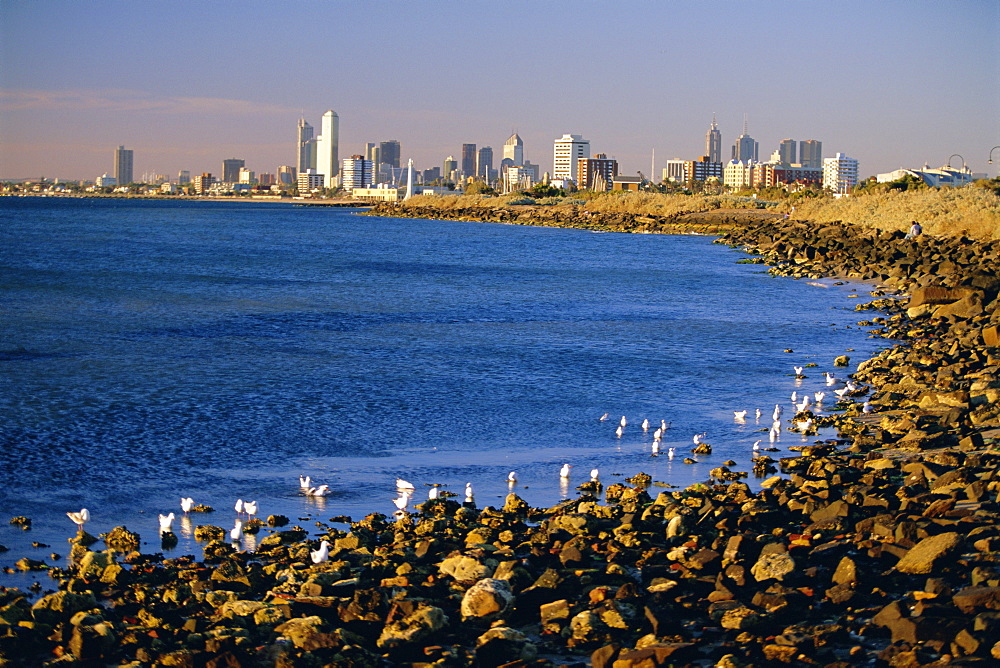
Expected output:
{"points": [[239, 506], [656, 447], [404, 485], [236, 532], [798, 370], [187, 503], [432, 493], [166, 522], [512, 477], [401, 502], [250, 507], [697, 437], [757, 414], [322, 554], [468, 493], [623, 422], [645, 424], [619, 431], [819, 397], [594, 474], [79, 518], [795, 396], [322, 490], [670, 452], [756, 446], [776, 415], [868, 407], [305, 482], [603, 418], [830, 378], [564, 471], [740, 416]]}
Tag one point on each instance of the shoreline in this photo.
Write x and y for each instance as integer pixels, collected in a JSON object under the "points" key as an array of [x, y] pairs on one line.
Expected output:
{"points": [[882, 545]]}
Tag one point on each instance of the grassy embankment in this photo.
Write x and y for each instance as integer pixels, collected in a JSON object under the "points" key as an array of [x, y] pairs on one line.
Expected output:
{"points": [[971, 211]]}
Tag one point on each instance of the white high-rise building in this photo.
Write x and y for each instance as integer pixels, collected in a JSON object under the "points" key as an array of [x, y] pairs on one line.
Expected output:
{"points": [[567, 150], [327, 145], [306, 146], [357, 172], [513, 150], [840, 174]]}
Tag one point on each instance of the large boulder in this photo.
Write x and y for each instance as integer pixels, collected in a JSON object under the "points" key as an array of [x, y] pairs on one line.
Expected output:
{"points": [[920, 559], [487, 600]]}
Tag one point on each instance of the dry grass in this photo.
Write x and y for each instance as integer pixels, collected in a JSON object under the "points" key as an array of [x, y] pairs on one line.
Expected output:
{"points": [[973, 212]]}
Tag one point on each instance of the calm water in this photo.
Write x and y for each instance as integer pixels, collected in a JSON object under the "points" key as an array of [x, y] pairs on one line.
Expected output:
{"points": [[154, 350]]}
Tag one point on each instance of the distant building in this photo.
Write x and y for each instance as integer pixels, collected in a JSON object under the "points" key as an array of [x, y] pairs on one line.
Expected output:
{"points": [[840, 174], [449, 168], [231, 170], [123, 166], [247, 176], [356, 172], [566, 151], [942, 177], [517, 177], [327, 147], [633, 183], [306, 146], [769, 174], [746, 147], [310, 181], [702, 170], [287, 175], [597, 173], [389, 153], [811, 154], [105, 180], [713, 142], [183, 177], [431, 175], [513, 150], [739, 174], [381, 193], [786, 152], [203, 183], [674, 171], [484, 163], [468, 165], [265, 179]]}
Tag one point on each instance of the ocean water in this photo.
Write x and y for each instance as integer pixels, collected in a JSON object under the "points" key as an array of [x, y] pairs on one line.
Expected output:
{"points": [[154, 350]]}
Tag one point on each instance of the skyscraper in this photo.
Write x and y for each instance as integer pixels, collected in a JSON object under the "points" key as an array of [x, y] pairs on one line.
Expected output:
{"points": [[449, 167], [357, 172], [123, 166], [566, 151], [306, 146], [811, 153], [231, 169], [713, 142], [745, 147], [513, 150], [327, 147], [468, 160], [484, 162], [786, 151], [389, 153]]}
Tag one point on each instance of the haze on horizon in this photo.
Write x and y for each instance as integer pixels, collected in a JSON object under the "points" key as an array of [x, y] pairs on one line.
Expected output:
{"points": [[893, 84]]}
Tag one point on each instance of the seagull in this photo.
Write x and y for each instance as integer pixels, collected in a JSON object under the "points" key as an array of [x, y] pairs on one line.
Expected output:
{"points": [[250, 507], [740, 416], [401, 502], [512, 477], [322, 490], [819, 396], [404, 485], [564, 471], [756, 446], [603, 418], [697, 437], [868, 407], [187, 503], [237, 531], [658, 434], [795, 397], [165, 522], [594, 473], [619, 431], [623, 422], [79, 518], [468, 493], [773, 435], [645, 424], [798, 370], [664, 425], [322, 554], [656, 447], [830, 378], [305, 482], [670, 452], [842, 392], [776, 415], [757, 414], [432, 493], [239, 506]]}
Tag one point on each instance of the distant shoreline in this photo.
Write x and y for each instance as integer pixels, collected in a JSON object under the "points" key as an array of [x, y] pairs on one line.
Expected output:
{"points": [[333, 202]]}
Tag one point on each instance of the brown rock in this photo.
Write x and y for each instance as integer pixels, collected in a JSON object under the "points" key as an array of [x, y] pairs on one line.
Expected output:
{"points": [[921, 558]]}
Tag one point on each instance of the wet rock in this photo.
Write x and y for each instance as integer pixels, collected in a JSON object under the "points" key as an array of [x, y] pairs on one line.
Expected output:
{"points": [[122, 540], [486, 600], [773, 566], [923, 556], [415, 627]]}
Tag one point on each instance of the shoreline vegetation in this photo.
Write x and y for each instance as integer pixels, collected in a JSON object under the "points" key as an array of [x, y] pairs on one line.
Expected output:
{"points": [[879, 547]]}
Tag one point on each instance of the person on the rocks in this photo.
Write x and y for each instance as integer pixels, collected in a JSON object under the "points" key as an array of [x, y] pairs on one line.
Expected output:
{"points": [[915, 231]]}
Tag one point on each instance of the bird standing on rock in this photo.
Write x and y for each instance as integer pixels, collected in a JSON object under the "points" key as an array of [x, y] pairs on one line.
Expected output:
{"points": [[239, 506], [251, 508], [322, 554], [79, 518], [236, 533], [469, 496], [166, 522]]}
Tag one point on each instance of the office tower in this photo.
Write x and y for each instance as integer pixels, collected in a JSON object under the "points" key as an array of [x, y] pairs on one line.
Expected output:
{"points": [[596, 173], [786, 151], [247, 176], [183, 177], [309, 181], [432, 174], [123, 166], [231, 170], [713, 142], [327, 147], [513, 150], [811, 153], [203, 183], [674, 171], [566, 151], [449, 168], [484, 162], [356, 172], [389, 153], [745, 148], [265, 179], [468, 160], [840, 174], [287, 175], [306, 146]]}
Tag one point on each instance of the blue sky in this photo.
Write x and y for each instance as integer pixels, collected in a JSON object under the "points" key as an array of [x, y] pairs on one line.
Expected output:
{"points": [[185, 85]]}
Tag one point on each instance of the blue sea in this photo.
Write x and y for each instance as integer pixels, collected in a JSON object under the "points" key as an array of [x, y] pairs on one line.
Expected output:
{"points": [[151, 350]]}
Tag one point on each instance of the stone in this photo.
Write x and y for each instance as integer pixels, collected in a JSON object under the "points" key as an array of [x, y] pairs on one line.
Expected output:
{"points": [[503, 645], [920, 559], [487, 600], [465, 568], [773, 566], [970, 599], [413, 628]]}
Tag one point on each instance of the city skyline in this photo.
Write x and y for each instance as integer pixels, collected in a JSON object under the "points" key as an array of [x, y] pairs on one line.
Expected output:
{"points": [[889, 98]]}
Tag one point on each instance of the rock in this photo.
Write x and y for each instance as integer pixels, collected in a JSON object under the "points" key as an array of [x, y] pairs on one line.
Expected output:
{"points": [[465, 568], [503, 645], [921, 557], [773, 567], [415, 627], [487, 600], [842, 360], [121, 539], [970, 599]]}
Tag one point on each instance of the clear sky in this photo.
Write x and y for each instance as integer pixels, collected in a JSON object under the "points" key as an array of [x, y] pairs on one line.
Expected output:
{"points": [[892, 83]]}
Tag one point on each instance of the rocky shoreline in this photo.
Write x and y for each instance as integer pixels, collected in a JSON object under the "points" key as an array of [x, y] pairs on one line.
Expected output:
{"points": [[880, 547]]}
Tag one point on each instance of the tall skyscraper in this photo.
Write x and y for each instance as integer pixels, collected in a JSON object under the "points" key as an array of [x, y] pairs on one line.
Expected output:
{"points": [[566, 151], [389, 153], [484, 162], [231, 169], [123, 166], [449, 167], [357, 172], [811, 153], [513, 150], [786, 151], [468, 165], [306, 146], [745, 148], [713, 142], [327, 148]]}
